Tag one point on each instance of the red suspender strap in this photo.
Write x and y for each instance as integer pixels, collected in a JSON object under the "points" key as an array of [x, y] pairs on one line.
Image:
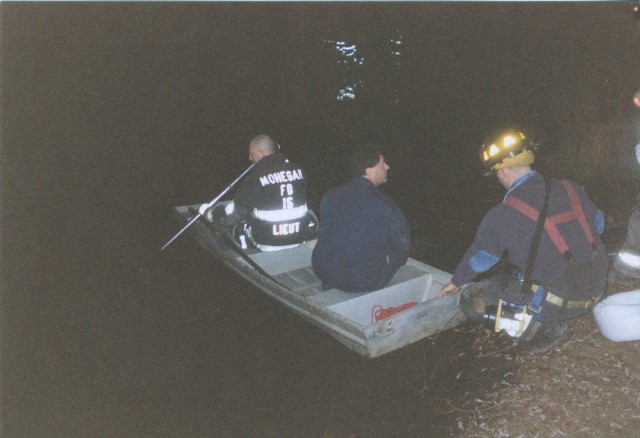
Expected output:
{"points": [[550, 224], [523, 208], [577, 208]]}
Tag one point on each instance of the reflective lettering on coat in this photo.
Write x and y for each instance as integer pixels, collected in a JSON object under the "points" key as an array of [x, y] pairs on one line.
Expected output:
{"points": [[287, 203], [286, 229], [286, 188], [283, 176]]}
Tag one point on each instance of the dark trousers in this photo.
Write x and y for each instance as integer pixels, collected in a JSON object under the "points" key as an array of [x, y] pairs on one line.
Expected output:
{"points": [[475, 297]]}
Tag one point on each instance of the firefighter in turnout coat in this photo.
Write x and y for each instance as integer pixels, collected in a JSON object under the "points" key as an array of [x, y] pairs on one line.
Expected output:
{"points": [[269, 210]]}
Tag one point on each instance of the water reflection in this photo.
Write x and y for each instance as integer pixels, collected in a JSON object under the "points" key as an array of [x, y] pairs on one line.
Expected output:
{"points": [[349, 62], [397, 48], [353, 73]]}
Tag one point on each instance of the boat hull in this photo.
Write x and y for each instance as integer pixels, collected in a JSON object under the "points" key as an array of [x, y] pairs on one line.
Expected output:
{"points": [[348, 317]]}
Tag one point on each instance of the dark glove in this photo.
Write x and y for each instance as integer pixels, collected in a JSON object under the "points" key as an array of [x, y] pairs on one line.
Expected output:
{"points": [[235, 217]]}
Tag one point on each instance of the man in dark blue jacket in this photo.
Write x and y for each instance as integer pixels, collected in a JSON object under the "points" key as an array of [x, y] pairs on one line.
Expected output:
{"points": [[563, 278], [363, 237]]}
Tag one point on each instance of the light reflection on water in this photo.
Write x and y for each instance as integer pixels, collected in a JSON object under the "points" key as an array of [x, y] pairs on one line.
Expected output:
{"points": [[351, 64]]}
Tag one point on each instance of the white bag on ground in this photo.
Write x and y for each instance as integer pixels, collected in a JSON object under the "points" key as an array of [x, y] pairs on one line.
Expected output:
{"points": [[618, 316]]}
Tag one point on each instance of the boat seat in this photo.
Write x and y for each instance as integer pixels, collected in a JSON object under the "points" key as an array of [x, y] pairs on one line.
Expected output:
{"points": [[276, 263], [405, 274]]}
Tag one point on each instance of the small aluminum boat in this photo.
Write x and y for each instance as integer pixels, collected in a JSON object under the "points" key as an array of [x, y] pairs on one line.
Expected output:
{"points": [[369, 323]]}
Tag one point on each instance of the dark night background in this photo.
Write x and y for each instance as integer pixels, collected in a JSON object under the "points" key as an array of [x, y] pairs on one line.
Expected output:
{"points": [[113, 113]]}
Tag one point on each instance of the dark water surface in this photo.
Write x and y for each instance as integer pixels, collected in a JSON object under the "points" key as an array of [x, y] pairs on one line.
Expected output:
{"points": [[112, 113]]}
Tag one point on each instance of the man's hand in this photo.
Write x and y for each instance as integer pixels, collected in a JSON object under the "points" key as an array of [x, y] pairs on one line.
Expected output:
{"points": [[447, 289]]}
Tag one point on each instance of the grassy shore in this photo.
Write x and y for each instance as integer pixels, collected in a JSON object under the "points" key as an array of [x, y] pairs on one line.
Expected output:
{"points": [[586, 387]]}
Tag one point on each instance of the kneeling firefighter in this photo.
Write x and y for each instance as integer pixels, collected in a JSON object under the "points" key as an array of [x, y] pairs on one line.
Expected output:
{"points": [[548, 229], [269, 210]]}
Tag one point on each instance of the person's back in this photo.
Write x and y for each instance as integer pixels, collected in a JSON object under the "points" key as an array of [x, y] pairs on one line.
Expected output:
{"points": [[273, 188], [363, 237], [506, 228], [561, 262], [269, 209]]}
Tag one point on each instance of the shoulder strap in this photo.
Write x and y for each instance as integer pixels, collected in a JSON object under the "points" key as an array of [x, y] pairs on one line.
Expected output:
{"points": [[535, 241], [579, 211], [551, 222]]}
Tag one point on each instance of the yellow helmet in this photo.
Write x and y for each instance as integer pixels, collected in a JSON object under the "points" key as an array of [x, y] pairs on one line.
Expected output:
{"points": [[509, 148]]}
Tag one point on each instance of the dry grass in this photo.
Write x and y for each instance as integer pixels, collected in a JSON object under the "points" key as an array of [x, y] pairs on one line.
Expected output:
{"points": [[587, 387]]}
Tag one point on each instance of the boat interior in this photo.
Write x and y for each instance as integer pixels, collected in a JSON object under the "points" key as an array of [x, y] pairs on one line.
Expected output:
{"points": [[414, 282]]}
